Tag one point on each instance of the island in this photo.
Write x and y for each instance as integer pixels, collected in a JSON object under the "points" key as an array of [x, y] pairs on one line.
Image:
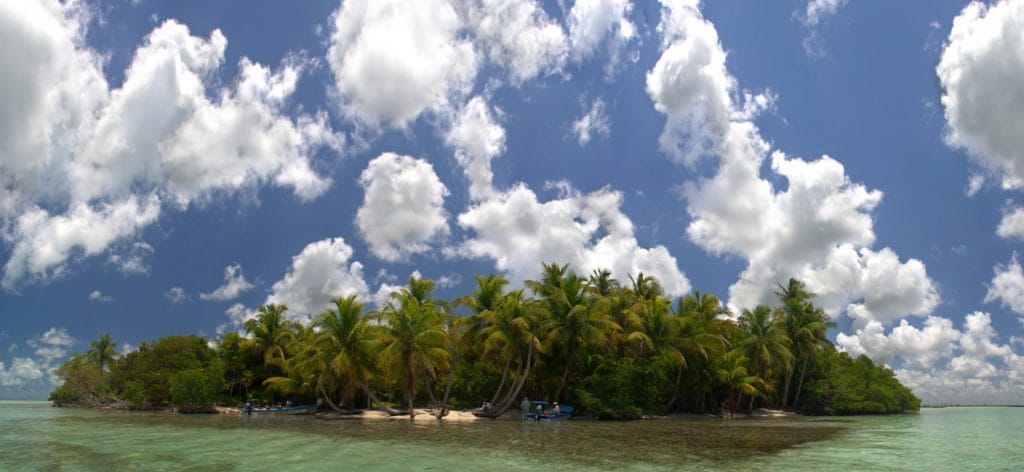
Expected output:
{"points": [[615, 351]]}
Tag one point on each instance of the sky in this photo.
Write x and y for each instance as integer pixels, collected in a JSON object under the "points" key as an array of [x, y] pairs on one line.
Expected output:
{"points": [[166, 166]]}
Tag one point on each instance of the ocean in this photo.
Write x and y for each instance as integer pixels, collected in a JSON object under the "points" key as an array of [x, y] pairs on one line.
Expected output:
{"points": [[35, 436]]}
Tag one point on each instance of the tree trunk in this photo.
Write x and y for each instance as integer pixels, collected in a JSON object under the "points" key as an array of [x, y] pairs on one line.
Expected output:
{"points": [[785, 391], [430, 391], [327, 397], [443, 411], [373, 398], [516, 387], [675, 393], [565, 379], [800, 385], [504, 376]]}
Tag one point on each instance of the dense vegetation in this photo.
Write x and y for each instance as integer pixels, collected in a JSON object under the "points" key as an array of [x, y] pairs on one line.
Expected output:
{"points": [[611, 350]]}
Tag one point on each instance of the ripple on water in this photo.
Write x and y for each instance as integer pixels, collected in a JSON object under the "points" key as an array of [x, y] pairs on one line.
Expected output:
{"points": [[34, 436]]}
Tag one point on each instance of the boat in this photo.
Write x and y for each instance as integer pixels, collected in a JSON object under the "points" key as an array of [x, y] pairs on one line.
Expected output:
{"points": [[252, 407], [548, 413]]}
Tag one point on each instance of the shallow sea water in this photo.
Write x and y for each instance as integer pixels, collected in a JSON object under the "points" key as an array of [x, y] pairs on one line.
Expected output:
{"points": [[34, 436]]}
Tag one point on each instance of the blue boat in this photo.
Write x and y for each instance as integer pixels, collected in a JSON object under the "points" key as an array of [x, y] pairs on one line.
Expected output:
{"points": [[548, 413]]}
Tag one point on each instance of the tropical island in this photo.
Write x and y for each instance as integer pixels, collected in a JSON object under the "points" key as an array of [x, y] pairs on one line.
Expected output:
{"points": [[612, 350]]}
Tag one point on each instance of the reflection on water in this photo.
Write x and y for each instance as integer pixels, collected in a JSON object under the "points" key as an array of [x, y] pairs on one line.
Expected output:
{"points": [[34, 436], [37, 436]]}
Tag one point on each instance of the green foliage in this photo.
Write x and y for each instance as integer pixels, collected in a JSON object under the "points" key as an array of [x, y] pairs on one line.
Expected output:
{"points": [[847, 386], [196, 390], [609, 348], [623, 387], [143, 378], [83, 383]]}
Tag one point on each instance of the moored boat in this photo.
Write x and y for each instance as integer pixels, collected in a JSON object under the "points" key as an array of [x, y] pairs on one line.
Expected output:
{"points": [[549, 413]]}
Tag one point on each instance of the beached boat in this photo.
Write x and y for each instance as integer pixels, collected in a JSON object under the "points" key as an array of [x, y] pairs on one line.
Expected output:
{"points": [[253, 408], [548, 413]]}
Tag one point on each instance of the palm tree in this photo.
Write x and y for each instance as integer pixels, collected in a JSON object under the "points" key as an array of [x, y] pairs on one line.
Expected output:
{"points": [[413, 341], [805, 326], [270, 333], [304, 369], [102, 351], [573, 323], [811, 338], [509, 336], [488, 294], [601, 282], [736, 379], [699, 337], [645, 288], [766, 343], [350, 344]]}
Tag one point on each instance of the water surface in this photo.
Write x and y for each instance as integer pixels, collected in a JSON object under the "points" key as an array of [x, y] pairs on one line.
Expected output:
{"points": [[35, 436]]}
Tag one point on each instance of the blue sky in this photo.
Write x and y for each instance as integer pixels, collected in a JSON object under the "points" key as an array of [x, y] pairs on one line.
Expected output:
{"points": [[168, 166]]}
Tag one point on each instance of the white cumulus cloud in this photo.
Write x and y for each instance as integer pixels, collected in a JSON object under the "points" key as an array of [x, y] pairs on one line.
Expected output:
{"points": [[593, 122], [403, 206], [1012, 224], [392, 60], [321, 271], [98, 296], [819, 229], [176, 295], [518, 35], [818, 10], [1007, 287], [477, 139], [43, 243], [983, 96], [593, 23], [587, 231], [75, 152], [234, 285]]}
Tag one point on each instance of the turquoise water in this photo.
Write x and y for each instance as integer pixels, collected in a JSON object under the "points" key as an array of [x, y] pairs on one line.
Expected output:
{"points": [[34, 436]]}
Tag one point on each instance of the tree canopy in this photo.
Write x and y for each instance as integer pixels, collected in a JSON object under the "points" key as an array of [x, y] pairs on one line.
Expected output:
{"points": [[617, 350]]}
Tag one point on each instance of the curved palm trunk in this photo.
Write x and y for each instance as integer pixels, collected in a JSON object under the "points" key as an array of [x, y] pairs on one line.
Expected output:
{"points": [[373, 399], [785, 391], [327, 397], [430, 390], [800, 385], [516, 388], [504, 378], [443, 411], [675, 393], [565, 380]]}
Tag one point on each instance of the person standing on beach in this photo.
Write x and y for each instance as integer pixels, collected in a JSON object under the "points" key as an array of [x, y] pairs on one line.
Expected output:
{"points": [[525, 406]]}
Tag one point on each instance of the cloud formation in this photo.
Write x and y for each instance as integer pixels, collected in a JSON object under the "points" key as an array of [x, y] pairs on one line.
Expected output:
{"points": [[1007, 287], [592, 123], [98, 296], [76, 153], [392, 60], [403, 206], [321, 271], [477, 140], [42, 243], [819, 229], [234, 285], [593, 23], [980, 72], [517, 35]]}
